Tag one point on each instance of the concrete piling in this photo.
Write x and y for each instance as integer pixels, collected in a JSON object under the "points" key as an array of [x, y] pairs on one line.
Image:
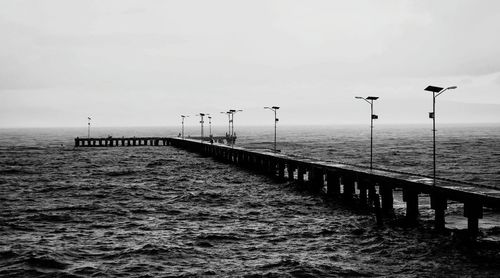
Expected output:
{"points": [[439, 205], [410, 196], [333, 184]]}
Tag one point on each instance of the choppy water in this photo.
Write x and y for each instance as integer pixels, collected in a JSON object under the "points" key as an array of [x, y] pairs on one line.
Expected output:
{"points": [[163, 212], [466, 153]]}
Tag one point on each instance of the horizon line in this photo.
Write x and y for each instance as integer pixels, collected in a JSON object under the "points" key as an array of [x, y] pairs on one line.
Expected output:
{"points": [[250, 125]]}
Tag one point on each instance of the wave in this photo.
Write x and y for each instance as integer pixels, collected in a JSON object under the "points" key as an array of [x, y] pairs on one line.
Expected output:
{"points": [[298, 268], [15, 172], [219, 237], [45, 262], [120, 173], [160, 162], [160, 251]]}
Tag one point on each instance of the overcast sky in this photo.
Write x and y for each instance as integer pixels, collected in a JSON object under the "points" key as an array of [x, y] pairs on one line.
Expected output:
{"points": [[134, 63]]}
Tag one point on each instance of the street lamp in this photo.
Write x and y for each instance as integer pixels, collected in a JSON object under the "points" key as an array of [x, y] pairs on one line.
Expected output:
{"points": [[88, 132], [274, 109], [183, 116], [201, 122], [372, 117], [436, 91], [229, 122], [232, 112], [210, 125]]}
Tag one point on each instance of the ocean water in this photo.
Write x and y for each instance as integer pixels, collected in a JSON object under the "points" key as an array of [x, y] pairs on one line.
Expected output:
{"points": [[467, 153], [164, 212]]}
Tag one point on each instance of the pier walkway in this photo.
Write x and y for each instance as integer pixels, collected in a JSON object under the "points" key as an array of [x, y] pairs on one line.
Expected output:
{"points": [[139, 141], [373, 189]]}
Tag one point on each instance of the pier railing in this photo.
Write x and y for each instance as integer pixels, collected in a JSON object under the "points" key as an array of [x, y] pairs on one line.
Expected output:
{"points": [[372, 189]]}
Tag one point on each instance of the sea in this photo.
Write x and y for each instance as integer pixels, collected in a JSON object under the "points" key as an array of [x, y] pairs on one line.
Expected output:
{"points": [[165, 212]]}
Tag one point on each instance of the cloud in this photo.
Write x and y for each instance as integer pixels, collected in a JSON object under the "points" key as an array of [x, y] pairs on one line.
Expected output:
{"points": [[156, 56]]}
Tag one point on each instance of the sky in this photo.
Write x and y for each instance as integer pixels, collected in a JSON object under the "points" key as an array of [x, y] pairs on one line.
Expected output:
{"points": [[146, 62]]}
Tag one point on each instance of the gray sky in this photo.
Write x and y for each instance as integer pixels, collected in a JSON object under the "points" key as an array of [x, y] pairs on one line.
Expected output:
{"points": [[131, 63]]}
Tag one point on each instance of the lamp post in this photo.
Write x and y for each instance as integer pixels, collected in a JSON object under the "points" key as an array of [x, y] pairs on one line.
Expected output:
{"points": [[232, 112], [274, 109], [201, 122], [88, 131], [370, 100], [436, 91], [183, 117], [210, 125], [229, 121]]}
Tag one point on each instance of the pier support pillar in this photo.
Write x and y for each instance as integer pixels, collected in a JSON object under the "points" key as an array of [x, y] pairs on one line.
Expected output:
{"points": [[363, 192], [247, 160], [387, 199], [240, 159], [316, 179], [333, 184], [281, 170], [267, 165], [251, 162], [375, 200], [439, 205], [260, 164], [271, 169], [348, 183], [411, 199], [300, 173], [473, 211], [290, 170]]}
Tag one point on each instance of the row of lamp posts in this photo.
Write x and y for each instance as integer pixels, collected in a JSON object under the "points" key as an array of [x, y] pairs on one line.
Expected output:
{"points": [[231, 134], [436, 91]]}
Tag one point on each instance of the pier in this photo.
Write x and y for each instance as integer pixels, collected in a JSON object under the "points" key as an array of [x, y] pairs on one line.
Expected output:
{"points": [[372, 189], [122, 142], [142, 141]]}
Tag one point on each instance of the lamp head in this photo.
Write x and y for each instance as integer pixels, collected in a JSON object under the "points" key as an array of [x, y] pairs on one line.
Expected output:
{"points": [[451, 88], [433, 89]]}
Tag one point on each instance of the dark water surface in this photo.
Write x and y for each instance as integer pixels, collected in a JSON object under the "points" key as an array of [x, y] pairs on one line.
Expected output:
{"points": [[469, 153], [164, 212]]}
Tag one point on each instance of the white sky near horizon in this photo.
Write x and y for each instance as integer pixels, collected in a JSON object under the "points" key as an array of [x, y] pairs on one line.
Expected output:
{"points": [[144, 63]]}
